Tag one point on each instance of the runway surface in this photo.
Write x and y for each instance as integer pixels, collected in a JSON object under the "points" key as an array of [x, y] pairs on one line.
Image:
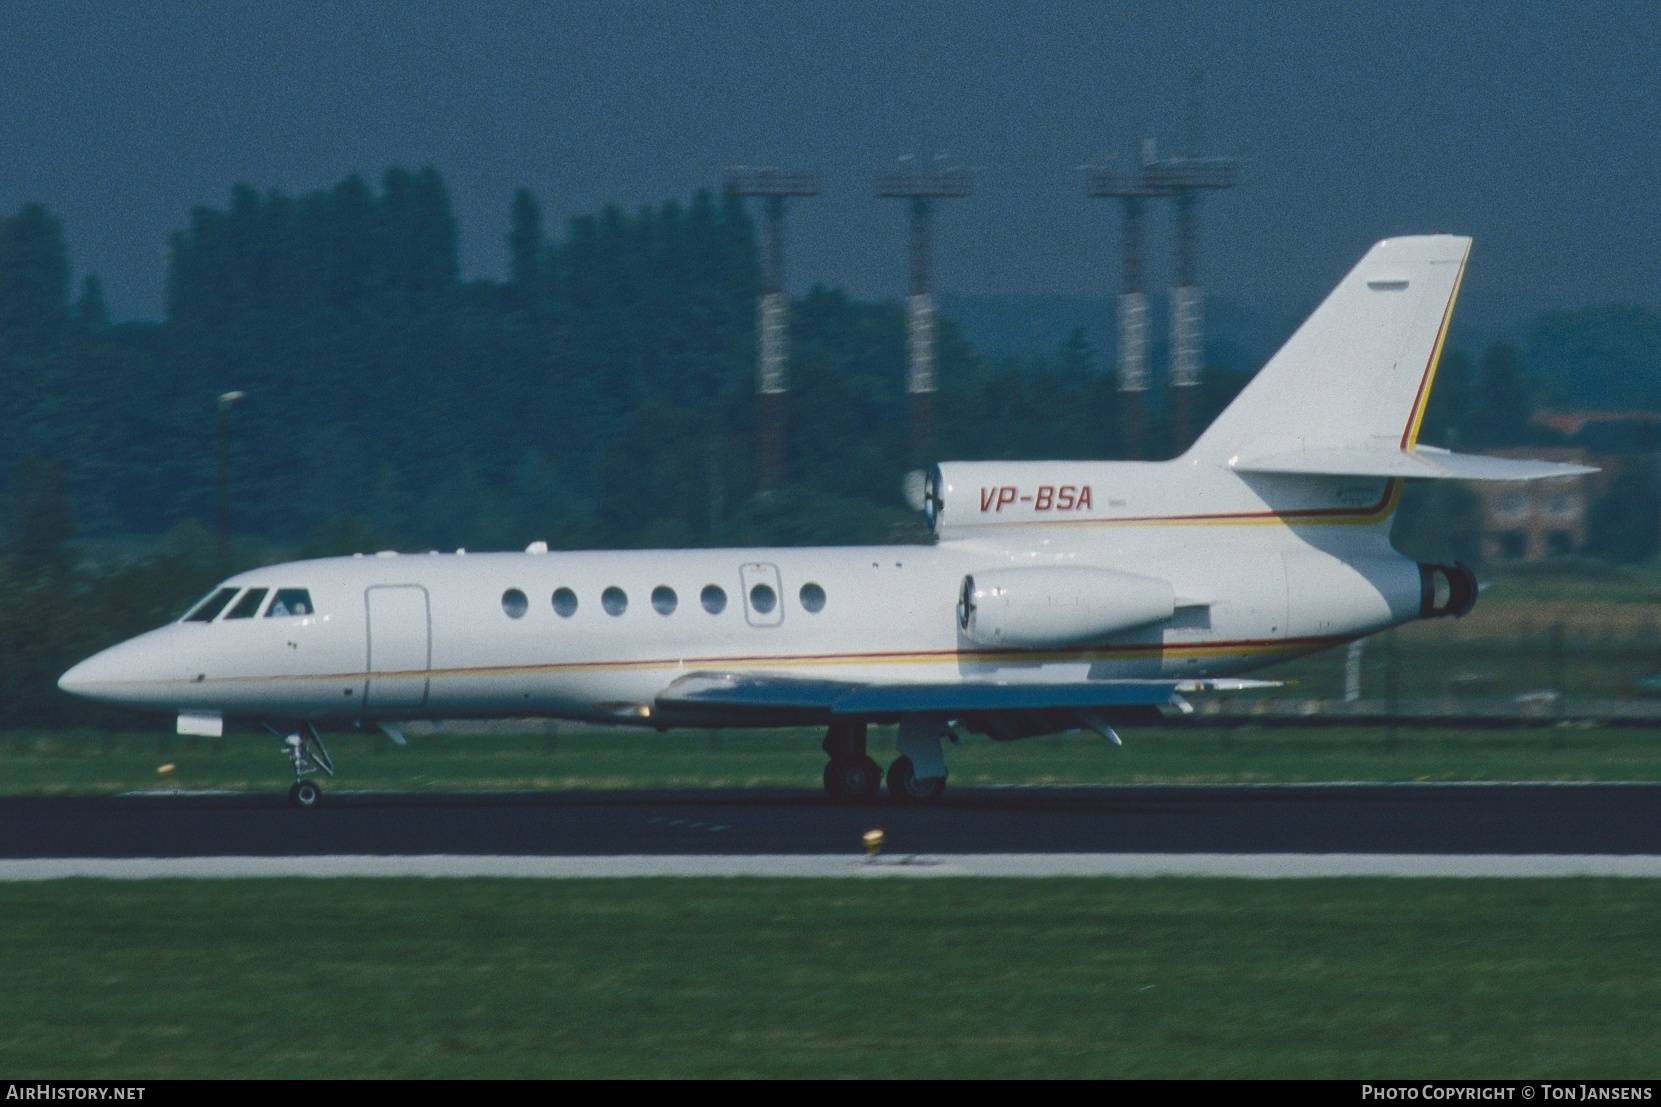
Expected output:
{"points": [[1255, 866], [1442, 820]]}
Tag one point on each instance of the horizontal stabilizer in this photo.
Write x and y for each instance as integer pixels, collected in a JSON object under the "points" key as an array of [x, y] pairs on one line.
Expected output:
{"points": [[1420, 463], [762, 693]]}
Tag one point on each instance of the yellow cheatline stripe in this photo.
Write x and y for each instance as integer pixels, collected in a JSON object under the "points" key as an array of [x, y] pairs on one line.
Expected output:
{"points": [[1371, 515], [1412, 437], [1218, 651]]}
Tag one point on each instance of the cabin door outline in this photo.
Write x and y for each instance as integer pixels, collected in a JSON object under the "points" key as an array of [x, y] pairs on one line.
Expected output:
{"points": [[400, 646]]}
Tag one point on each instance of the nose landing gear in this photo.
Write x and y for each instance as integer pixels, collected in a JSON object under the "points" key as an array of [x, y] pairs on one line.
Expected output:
{"points": [[305, 750]]}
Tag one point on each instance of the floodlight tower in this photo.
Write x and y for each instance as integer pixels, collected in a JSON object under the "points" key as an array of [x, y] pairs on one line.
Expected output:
{"points": [[1183, 179], [922, 188], [773, 313], [1133, 190]]}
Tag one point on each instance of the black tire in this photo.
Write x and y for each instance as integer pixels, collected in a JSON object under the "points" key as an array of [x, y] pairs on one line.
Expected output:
{"points": [[304, 794], [904, 786], [853, 779]]}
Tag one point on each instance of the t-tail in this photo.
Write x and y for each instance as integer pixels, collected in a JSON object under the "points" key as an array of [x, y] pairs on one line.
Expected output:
{"points": [[1323, 436], [1346, 395]]}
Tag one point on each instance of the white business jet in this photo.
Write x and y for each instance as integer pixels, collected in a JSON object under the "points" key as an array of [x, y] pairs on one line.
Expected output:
{"points": [[1060, 594]]}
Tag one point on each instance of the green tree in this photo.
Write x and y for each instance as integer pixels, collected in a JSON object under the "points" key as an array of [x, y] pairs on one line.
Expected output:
{"points": [[34, 277], [1624, 523], [1078, 353], [525, 246], [42, 521], [1503, 407]]}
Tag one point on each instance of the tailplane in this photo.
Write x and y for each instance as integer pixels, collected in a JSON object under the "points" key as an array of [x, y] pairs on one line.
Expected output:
{"points": [[1346, 395]]}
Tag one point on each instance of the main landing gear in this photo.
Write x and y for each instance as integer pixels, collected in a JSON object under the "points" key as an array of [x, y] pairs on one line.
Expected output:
{"points": [[851, 775], [305, 750], [918, 775]]}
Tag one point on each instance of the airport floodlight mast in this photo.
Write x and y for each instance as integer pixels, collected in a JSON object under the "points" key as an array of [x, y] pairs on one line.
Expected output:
{"points": [[773, 312], [922, 188], [1133, 191], [1183, 179], [1180, 179]]}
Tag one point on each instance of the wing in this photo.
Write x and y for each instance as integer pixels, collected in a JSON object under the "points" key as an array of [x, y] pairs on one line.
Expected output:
{"points": [[1000, 709]]}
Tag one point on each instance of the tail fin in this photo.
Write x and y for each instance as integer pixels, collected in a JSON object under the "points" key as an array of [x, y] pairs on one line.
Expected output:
{"points": [[1358, 372]]}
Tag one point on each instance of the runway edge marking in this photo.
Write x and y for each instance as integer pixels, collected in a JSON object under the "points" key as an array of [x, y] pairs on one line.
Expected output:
{"points": [[1250, 866]]}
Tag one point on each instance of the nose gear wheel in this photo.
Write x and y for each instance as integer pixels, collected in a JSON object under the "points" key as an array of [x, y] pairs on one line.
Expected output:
{"points": [[304, 748]]}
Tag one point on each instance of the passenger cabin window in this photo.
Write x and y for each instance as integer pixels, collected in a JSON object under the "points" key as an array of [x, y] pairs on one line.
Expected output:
{"points": [[664, 600], [714, 599], [291, 601], [565, 603], [213, 605], [813, 598], [514, 603], [763, 598], [249, 605], [614, 600]]}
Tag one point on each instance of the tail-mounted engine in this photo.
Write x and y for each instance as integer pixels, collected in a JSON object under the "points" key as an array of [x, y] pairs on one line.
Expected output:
{"points": [[1446, 590], [1051, 606]]}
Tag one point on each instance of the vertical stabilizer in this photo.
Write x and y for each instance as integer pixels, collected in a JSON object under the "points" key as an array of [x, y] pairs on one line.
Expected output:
{"points": [[1358, 372]]}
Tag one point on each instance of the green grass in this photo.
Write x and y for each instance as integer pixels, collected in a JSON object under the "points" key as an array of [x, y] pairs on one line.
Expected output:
{"points": [[56, 763], [456, 978], [1573, 578]]}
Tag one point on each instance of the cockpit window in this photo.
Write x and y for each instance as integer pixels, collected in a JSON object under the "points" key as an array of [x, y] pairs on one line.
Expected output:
{"points": [[213, 605], [291, 601], [249, 605]]}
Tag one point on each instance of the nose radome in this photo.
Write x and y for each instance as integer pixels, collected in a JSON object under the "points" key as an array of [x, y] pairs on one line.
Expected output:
{"points": [[108, 675], [74, 680], [84, 679]]}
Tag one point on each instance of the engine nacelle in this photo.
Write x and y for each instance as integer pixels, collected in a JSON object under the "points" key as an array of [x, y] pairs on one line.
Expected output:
{"points": [[1058, 605]]}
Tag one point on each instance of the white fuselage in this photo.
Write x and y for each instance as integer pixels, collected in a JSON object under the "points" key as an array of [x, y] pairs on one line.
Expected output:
{"points": [[443, 635]]}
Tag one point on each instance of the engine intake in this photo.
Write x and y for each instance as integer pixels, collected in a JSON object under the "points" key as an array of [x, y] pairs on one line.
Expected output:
{"points": [[1058, 605], [1446, 590]]}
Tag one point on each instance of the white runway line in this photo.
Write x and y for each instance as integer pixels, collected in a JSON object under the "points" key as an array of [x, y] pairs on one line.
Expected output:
{"points": [[1257, 866]]}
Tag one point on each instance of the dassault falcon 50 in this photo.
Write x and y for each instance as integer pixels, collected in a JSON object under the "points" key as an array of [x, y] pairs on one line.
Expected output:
{"points": [[1058, 594]]}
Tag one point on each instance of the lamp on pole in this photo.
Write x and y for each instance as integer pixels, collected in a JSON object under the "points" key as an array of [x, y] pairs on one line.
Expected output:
{"points": [[226, 402]]}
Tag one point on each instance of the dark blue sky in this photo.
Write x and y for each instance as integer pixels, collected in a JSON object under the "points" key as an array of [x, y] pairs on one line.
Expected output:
{"points": [[1534, 127]]}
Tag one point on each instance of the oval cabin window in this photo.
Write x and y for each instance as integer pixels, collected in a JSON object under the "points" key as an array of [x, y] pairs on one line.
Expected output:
{"points": [[763, 598], [565, 603], [515, 604], [714, 599], [664, 600], [813, 598], [614, 600]]}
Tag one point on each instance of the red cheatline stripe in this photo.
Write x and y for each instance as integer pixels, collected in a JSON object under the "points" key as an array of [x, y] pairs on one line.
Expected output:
{"points": [[1090, 653]]}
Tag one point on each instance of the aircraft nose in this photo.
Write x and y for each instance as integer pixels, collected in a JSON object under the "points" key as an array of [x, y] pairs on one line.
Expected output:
{"points": [[99, 676], [80, 679]]}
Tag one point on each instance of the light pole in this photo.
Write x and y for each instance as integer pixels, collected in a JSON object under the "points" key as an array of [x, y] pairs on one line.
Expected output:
{"points": [[226, 402]]}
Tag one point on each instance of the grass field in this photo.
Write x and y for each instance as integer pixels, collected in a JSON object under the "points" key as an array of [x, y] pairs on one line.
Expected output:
{"points": [[453, 978], [60, 763]]}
